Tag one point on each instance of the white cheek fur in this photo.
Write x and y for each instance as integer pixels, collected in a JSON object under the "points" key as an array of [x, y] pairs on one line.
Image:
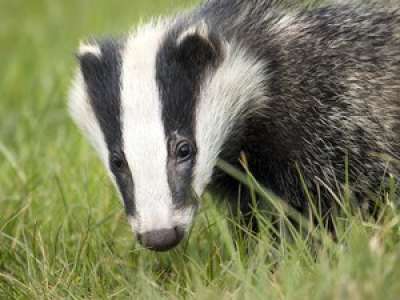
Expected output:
{"points": [[83, 115], [234, 88]]}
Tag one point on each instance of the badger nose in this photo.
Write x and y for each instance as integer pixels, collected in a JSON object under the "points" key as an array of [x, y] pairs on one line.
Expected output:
{"points": [[161, 240]]}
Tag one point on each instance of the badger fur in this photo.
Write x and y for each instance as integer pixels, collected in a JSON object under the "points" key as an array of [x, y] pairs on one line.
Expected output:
{"points": [[296, 91]]}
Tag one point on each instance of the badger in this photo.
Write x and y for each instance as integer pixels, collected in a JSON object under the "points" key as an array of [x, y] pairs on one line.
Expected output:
{"points": [[309, 96]]}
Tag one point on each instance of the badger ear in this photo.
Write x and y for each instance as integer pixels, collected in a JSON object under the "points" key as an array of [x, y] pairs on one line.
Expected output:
{"points": [[88, 48], [89, 56], [198, 47]]}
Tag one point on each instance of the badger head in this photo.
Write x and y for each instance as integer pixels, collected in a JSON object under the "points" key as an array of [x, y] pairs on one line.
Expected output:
{"points": [[158, 106]]}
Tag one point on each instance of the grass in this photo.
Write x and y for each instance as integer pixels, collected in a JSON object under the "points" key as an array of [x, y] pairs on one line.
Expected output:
{"points": [[62, 229]]}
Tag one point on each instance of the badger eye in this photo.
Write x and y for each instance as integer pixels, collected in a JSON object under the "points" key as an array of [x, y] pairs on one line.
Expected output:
{"points": [[117, 162], [184, 151]]}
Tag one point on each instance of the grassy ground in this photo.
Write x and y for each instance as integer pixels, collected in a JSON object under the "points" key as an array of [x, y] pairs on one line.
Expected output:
{"points": [[62, 230]]}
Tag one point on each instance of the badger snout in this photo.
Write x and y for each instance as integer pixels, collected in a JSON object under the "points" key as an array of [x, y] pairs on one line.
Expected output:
{"points": [[161, 240], [162, 229]]}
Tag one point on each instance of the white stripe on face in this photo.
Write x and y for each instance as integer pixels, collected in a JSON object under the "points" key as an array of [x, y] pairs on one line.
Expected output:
{"points": [[144, 140]]}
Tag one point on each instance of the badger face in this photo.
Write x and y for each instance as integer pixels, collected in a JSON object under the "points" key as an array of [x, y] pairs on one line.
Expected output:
{"points": [[158, 108]]}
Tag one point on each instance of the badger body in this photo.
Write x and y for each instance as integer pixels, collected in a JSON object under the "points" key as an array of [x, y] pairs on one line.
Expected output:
{"points": [[296, 91]]}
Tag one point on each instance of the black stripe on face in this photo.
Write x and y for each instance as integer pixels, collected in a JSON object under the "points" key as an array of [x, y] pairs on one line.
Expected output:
{"points": [[180, 71], [102, 75]]}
